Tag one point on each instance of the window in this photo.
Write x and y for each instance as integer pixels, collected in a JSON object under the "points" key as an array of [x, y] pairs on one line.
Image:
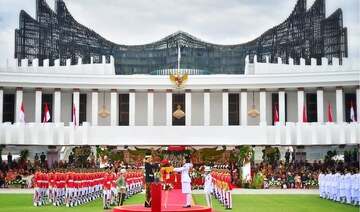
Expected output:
{"points": [[124, 109], [275, 103], [350, 97], [178, 99], [82, 106], [234, 109], [46, 99], [9, 108], [82, 109], [311, 107]]}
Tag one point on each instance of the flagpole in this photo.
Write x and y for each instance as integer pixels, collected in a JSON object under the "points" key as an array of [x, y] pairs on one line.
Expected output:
{"points": [[179, 56]]}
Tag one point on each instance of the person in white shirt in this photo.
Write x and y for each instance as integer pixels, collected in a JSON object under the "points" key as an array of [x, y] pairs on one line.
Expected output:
{"points": [[321, 185], [354, 187], [337, 178], [208, 187], [348, 186], [185, 179]]}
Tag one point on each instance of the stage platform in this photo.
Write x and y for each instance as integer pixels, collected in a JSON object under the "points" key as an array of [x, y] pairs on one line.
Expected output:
{"points": [[170, 208]]}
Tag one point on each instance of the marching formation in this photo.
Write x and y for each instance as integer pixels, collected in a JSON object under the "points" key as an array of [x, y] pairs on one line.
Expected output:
{"points": [[222, 187], [340, 186], [75, 187]]}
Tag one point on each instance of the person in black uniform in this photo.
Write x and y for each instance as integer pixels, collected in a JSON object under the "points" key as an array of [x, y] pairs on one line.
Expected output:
{"points": [[149, 178]]}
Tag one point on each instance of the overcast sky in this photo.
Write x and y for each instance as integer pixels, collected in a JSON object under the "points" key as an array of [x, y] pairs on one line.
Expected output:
{"points": [[143, 21]]}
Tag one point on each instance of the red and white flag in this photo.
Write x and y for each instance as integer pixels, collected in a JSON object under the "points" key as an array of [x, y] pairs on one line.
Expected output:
{"points": [[352, 112], [46, 114], [304, 114], [330, 117], [74, 116], [276, 113], [22, 114]]}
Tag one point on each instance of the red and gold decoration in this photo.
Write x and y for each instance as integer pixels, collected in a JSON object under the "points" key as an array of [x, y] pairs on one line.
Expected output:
{"points": [[178, 79]]}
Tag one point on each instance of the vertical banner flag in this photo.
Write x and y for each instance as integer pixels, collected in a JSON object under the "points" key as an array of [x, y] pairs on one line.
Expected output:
{"points": [[352, 112], [74, 116], [276, 114], [330, 117], [46, 114], [304, 114], [22, 113]]}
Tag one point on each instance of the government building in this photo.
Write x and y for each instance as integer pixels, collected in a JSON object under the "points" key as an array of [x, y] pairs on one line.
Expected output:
{"points": [[280, 89]]}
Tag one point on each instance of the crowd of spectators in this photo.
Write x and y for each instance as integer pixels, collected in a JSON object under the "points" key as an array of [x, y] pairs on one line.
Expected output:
{"points": [[299, 174]]}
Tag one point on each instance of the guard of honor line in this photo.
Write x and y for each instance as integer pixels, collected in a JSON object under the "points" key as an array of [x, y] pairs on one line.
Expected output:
{"points": [[340, 186], [76, 187]]}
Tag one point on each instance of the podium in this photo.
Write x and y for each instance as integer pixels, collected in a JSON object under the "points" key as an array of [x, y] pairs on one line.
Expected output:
{"points": [[156, 197]]}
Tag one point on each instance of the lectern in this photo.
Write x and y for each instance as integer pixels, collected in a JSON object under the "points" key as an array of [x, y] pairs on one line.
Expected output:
{"points": [[156, 197]]}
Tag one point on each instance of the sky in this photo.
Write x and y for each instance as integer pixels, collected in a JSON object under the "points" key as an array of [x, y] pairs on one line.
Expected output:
{"points": [[137, 22]]}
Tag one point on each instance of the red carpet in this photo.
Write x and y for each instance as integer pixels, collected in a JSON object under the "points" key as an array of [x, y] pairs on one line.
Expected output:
{"points": [[175, 202]]}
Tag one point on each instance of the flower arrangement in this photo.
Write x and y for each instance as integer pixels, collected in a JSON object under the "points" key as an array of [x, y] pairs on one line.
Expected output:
{"points": [[168, 186], [16, 182], [195, 174], [246, 154], [199, 187], [311, 183], [275, 183]]}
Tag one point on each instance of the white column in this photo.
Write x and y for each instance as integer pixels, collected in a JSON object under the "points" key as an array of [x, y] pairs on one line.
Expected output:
{"points": [[114, 108], [76, 103], [243, 95], [150, 107], [188, 108], [263, 106], [38, 105], [169, 108], [320, 105], [358, 103], [57, 105], [206, 107], [301, 96], [94, 107], [132, 107], [1, 104], [225, 107], [339, 105], [282, 106]]}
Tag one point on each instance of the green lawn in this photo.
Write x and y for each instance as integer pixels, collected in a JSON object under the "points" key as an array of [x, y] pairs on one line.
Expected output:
{"points": [[276, 203]]}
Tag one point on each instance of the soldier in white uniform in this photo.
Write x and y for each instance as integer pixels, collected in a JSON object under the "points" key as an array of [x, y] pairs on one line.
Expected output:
{"points": [[327, 184], [185, 179], [208, 187], [357, 189], [337, 186], [342, 188], [348, 186], [354, 187], [321, 185]]}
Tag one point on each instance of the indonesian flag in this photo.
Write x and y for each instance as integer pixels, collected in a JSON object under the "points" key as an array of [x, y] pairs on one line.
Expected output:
{"points": [[352, 112], [22, 113], [74, 115], [304, 114], [330, 118], [46, 114], [276, 114]]}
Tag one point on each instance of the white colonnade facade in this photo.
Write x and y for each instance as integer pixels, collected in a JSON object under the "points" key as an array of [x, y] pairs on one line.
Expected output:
{"points": [[216, 107]]}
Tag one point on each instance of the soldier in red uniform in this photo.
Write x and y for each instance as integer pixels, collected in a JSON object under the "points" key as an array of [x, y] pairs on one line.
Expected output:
{"points": [[36, 188], [69, 181], [106, 190], [51, 177], [228, 191]]}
